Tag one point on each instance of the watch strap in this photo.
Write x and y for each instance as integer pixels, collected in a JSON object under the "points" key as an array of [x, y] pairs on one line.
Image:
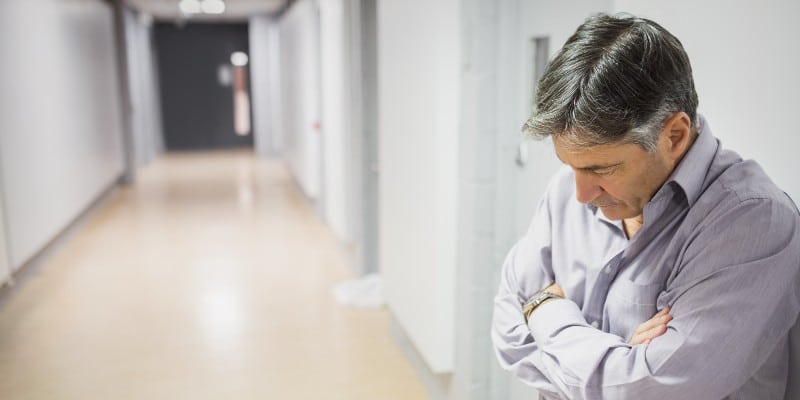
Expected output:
{"points": [[537, 300]]}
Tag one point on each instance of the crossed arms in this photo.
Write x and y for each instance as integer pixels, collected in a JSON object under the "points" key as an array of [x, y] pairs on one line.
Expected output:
{"points": [[730, 311]]}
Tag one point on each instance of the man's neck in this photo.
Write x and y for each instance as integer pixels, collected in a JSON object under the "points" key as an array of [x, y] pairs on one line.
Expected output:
{"points": [[632, 225]]}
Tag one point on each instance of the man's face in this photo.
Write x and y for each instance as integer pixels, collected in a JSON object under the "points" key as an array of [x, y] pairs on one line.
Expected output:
{"points": [[619, 179]]}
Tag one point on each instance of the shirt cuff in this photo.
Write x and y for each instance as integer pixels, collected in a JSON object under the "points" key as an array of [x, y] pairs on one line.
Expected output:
{"points": [[551, 317]]}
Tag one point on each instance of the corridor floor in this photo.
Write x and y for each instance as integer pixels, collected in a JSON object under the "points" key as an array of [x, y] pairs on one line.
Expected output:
{"points": [[210, 278]]}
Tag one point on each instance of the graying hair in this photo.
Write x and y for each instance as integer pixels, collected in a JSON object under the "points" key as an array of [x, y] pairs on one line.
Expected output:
{"points": [[616, 80]]}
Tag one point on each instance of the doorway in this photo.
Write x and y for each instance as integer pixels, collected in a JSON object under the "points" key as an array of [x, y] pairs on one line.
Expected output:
{"points": [[198, 81]]}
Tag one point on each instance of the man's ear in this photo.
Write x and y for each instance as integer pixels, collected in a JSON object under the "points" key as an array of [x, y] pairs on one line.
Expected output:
{"points": [[676, 136]]}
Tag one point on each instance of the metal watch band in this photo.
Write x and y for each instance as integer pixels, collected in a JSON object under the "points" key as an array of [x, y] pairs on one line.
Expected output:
{"points": [[535, 301]]}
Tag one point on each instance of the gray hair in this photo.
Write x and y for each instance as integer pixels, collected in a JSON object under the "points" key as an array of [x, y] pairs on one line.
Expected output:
{"points": [[616, 80]]}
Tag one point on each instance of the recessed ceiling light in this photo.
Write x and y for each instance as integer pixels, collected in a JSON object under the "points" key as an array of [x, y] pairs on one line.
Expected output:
{"points": [[213, 6], [190, 6]]}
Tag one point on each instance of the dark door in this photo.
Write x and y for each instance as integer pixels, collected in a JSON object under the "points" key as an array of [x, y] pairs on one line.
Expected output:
{"points": [[196, 94]]}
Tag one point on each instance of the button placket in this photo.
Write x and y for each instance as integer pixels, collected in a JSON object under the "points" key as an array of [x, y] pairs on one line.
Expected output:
{"points": [[596, 303]]}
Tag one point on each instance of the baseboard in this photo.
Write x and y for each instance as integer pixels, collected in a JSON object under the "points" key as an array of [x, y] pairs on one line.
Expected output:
{"points": [[438, 385], [33, 265]]}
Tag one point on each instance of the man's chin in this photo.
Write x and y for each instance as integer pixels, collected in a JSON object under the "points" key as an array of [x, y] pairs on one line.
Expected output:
{"points": [[615, 212]]}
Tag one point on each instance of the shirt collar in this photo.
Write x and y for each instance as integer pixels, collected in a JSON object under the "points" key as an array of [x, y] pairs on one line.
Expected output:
{"points": [[690, 173]]}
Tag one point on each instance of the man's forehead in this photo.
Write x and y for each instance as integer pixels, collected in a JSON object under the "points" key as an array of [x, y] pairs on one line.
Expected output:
{"points": [[590, 156]]}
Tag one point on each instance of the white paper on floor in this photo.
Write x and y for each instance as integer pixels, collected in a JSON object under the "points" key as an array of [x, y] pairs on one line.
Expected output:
{"points": [[365, 292]]}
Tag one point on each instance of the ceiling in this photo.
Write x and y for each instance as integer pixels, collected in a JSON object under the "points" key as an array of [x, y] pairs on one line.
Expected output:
{"points": [[235, 10]]}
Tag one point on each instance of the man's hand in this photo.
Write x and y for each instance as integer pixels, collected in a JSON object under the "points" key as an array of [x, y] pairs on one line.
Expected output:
{"points": [[652, 328]]}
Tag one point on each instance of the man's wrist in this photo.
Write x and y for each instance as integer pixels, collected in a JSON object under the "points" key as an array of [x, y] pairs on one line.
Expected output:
{"points": [[537, 300]]}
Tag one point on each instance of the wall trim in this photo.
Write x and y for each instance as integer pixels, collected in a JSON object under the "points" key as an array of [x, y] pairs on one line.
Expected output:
{"points": [[33, 266], [438, 385]]}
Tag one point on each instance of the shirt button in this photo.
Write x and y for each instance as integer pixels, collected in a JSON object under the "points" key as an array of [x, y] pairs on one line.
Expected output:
{"points": [[595, 324]]}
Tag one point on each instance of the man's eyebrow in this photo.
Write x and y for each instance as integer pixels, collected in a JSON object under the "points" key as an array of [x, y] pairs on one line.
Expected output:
{"points": [[598, 166], [592, 167]]}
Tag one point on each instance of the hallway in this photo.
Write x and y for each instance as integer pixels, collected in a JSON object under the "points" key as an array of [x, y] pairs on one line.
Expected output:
{"points": [[210, 278]]}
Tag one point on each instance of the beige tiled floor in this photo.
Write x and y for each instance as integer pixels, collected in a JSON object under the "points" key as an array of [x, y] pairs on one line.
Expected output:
{"points": [[208, 279]]}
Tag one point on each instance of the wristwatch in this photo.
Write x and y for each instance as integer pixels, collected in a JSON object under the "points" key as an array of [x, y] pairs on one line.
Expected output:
{"points": [[537, 300]]}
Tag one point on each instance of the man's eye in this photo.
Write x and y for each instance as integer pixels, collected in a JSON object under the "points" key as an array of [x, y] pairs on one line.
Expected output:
{"points": [[604, 172]]}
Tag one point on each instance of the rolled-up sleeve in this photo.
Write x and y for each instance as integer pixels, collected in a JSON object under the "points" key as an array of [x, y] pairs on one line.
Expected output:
{"points": [[733, 298]]}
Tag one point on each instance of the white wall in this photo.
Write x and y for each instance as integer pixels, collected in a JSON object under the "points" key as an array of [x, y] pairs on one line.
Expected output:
{"points": [[264, 84], [5, 268], [300, 97], [418, 81], [60, 125], [143, 77], [275, 90], [336, 111], [745, 60], [300, 77]]}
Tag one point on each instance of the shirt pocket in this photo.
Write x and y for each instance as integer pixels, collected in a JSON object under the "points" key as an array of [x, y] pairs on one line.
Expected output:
{"points": [[628, 305]]}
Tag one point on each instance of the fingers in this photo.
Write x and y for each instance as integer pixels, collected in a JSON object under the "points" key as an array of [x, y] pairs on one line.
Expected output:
{"points": [[647, 336], [664, 311], [662, 317], [652, 328]]}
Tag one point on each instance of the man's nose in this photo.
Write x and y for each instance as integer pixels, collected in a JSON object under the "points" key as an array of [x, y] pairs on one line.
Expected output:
{"points": [[586, 187]]}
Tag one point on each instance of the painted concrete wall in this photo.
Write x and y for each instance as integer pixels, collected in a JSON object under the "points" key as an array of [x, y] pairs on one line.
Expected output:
{"points": [[475, 369], [264, 84], [60, 122], [291, 95], [745, 60], [336, 111], [300, 94], [148, 140], [418, 81], [5, 268], [364, 171]]}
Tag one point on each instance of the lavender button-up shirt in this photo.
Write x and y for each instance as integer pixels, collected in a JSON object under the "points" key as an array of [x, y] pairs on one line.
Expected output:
{"points": [[720, 245]]}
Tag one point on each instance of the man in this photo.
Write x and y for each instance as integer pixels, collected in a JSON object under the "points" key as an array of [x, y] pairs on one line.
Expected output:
{"points": [[658, 265]]}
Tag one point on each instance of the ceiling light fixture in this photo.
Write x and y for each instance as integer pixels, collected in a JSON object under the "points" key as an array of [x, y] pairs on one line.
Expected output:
{"points": [[213, 6], [190, 6]]}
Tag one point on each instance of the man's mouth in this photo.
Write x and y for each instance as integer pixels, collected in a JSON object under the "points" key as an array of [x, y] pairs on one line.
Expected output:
{"points": [[604, 205]]}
